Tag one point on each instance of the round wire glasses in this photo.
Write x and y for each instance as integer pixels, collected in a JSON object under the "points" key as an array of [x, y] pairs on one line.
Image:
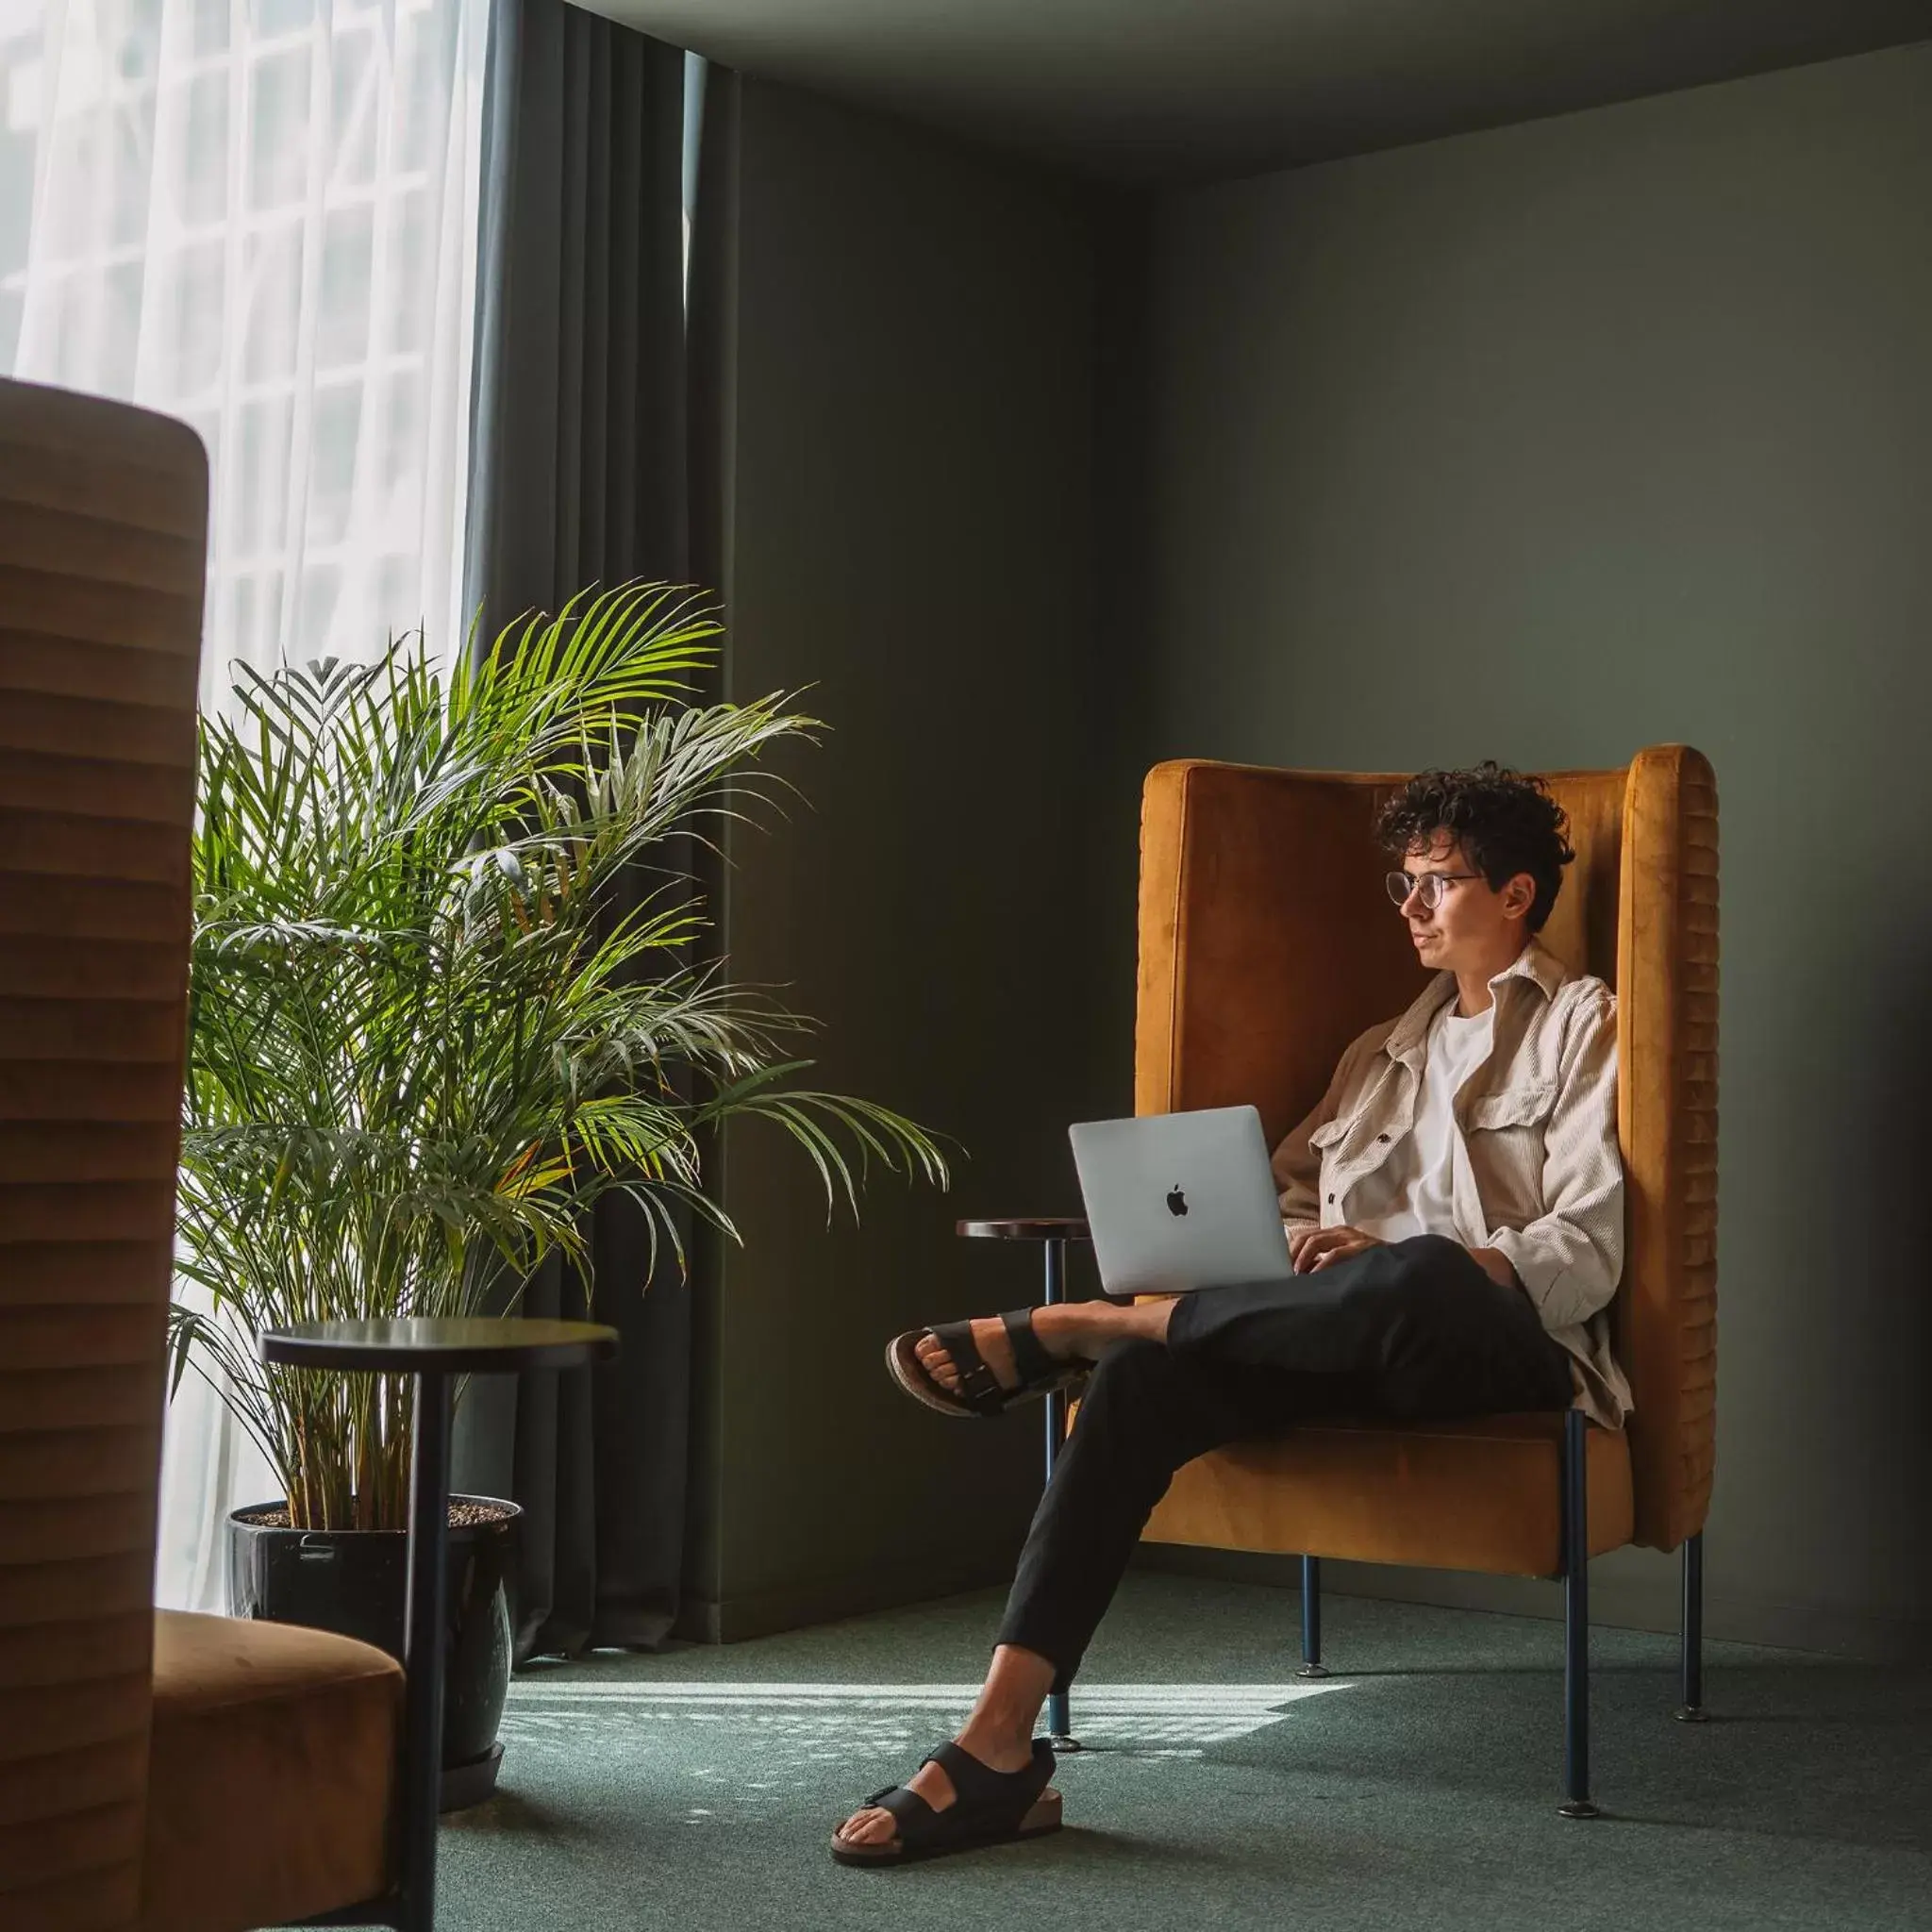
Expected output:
{"points": [[1430, 887]]}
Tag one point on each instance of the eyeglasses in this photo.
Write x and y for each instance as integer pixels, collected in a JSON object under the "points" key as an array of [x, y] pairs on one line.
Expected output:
{"points": [[1430, 887]]}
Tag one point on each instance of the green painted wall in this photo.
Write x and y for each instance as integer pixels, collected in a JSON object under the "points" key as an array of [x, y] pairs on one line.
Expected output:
{"points": [[911, 490], [1550, 442]]}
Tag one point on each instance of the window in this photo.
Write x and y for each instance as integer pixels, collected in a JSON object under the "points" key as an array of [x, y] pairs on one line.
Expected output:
{"points": [[261, 216]]}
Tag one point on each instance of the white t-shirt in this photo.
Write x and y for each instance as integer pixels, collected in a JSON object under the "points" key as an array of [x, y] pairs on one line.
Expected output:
{"points": [[1412, 1192]]}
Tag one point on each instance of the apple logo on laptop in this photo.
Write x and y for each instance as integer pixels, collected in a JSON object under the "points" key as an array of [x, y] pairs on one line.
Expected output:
{"points": [[1177, 1201]]}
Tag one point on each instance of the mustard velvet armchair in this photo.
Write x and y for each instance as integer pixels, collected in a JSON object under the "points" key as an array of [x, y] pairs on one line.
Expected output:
{"points": [[1266, 944]]}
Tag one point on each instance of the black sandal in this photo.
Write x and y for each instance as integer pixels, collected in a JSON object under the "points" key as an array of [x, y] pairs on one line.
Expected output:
{"points": [[989, 1807], [979, 1392]]}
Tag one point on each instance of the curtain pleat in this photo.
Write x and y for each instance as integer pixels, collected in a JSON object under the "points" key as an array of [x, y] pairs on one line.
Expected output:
{"points": [[579, 476]]}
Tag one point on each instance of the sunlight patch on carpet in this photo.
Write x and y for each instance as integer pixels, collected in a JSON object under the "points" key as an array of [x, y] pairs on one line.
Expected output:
{"points": [[796, 1724]]}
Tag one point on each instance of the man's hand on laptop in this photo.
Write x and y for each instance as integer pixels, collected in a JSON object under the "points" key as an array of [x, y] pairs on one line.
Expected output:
{"points": [[1315, 1247]]}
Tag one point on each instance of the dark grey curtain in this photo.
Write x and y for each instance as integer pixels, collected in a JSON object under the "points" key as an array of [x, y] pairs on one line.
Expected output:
{"points": [[579, 476], [578, 448]]}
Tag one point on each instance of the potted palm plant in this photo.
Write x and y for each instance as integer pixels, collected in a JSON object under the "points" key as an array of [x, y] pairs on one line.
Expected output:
{"points": [[423, 1042]]}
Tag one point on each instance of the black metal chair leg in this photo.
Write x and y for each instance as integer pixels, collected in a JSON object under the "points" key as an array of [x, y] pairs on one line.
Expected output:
{"points": [[1576, 1801], [424, 1618], [1311, 1619], [1692, 1711]]}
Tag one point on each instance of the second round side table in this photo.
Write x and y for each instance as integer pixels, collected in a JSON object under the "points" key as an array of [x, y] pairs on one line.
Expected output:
{"points": [[1052, 1232]]}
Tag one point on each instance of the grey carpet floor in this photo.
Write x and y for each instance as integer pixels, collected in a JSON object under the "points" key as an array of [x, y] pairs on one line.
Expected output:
{"points": [[697, 1789]]}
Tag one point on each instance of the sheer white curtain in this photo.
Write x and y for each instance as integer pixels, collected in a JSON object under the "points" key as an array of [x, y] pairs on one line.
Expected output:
{"points": [[261, 216]]}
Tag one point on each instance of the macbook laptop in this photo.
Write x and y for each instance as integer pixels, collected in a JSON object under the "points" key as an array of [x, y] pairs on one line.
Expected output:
{"points": [[1180, 1201]]}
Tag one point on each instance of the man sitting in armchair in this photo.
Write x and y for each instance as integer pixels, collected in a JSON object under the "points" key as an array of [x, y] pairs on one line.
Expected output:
{"points": [[1455, 1212]]}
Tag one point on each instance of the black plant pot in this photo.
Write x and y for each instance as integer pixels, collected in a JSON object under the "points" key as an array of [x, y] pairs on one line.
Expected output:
{"points": [[351, 1581]]}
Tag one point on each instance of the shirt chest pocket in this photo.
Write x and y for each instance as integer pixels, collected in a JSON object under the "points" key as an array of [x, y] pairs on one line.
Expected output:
{"points": [[1349, 1152], [1326, 1144], [1506, 1135]]}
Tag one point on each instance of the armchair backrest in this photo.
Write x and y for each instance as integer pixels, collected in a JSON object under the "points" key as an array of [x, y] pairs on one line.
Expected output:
{"points": [[103, 510], [1267, 943]]}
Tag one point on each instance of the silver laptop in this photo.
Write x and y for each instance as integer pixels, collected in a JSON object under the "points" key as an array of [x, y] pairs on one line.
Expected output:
{"points": [[1180, 1201]]}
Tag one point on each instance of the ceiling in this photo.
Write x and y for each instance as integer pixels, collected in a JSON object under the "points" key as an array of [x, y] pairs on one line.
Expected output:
{"points": [[1152, 90]]}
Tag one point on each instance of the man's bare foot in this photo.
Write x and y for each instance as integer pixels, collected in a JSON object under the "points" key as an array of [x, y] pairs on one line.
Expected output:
{"points": [[989, 1339], [998, 1732], [1069, 1331], [871, 1825], [995, 1346]]}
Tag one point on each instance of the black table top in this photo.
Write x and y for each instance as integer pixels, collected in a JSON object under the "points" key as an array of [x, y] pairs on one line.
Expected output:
{"points": [[1036, 1227], [416, 1346]]}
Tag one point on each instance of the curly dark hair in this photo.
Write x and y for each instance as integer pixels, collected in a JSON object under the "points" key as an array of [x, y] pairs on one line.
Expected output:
{"points": [[1504, 822]]}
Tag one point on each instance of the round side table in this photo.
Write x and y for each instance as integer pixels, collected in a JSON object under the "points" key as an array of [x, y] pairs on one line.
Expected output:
{"points": [[432, 1351]]}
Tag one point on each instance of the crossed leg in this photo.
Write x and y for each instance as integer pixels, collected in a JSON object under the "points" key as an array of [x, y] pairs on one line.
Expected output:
{"points": [[1147, 1410]]}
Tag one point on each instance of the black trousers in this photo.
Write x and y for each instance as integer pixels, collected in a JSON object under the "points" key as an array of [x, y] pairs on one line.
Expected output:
{"points": [[1409, 1331]]}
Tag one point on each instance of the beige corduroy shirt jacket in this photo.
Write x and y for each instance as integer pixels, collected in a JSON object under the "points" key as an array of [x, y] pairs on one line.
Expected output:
{"points": [[1538, 1174]]}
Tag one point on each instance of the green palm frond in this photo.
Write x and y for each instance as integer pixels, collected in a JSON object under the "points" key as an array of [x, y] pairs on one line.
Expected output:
{"points": [[422, 1043]]}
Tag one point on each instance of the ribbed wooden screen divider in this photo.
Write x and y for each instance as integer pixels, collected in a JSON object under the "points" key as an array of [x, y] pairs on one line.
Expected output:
{"points": [[103, 520]]}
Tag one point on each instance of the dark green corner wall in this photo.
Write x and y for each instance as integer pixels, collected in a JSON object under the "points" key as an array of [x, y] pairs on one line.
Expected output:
{"points": [[1550, 442], [911, 503], [1543, 443]]}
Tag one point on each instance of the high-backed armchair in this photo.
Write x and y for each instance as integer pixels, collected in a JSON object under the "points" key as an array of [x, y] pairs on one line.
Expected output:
{"points": [[175, 1772], [1266, 944]]}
